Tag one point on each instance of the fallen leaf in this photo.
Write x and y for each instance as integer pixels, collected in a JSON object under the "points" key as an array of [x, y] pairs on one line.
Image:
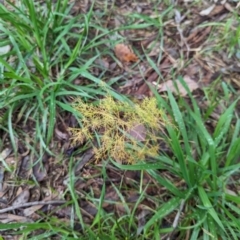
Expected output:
{"points": [[218, 9], [228, 7], [22, 198], [192, 85], [142, 219], [124, 53], [6, 218], [199, 35], [103, 63], [61, 135], [207, 11], [25, 167], [5, 153], [138, 132], [40, 170], [29, 211], [5, 49], [178, 17]]}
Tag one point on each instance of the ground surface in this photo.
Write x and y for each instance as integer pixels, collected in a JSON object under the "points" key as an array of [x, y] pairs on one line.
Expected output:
{"points": [[53, 187]]}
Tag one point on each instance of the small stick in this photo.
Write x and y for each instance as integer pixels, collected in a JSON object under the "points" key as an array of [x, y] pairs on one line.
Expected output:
{"points": [[30, 204], [176, 220]]}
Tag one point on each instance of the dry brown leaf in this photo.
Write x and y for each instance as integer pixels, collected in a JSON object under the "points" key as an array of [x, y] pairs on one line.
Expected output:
{"points": [[124, 53], [218, 9], [22, 197], [4, 49], [6, 218], [192, 85], [199, 35], [29, 211], [207, 11], [5, 153], [138, 132], [40, 170], [229, 7], [103, 63], [61, 135]]}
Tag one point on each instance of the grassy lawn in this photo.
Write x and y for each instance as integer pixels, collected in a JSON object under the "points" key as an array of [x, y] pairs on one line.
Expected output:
{"points": [[119, 120]]}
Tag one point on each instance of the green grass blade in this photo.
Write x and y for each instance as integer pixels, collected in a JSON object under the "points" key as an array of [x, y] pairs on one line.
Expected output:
{"points": [[52, 117], [223, 124], [163, 211], [206, 203]]}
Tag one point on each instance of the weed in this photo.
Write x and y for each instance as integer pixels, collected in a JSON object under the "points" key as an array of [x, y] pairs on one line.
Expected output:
{"points": [[120, 126]]}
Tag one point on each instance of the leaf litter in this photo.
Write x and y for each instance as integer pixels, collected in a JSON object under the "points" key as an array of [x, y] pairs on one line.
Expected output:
{"points": [[124, 53], [186, 41], [176, 87]]}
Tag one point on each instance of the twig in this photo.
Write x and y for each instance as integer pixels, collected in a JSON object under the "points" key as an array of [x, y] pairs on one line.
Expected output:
{"points": [[30, 204], [178, 20], [176, 220]]}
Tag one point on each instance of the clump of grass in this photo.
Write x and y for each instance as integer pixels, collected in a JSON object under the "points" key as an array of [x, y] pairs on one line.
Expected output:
{"points": [[127, 131], [46, 47]]}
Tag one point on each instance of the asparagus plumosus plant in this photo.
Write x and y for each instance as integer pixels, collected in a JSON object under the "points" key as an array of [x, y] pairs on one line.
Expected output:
{"points": [[127, 131]]}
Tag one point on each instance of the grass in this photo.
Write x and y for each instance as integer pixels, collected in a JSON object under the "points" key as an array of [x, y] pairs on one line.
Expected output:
{"points": [[39, 77], [194, 174]]}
